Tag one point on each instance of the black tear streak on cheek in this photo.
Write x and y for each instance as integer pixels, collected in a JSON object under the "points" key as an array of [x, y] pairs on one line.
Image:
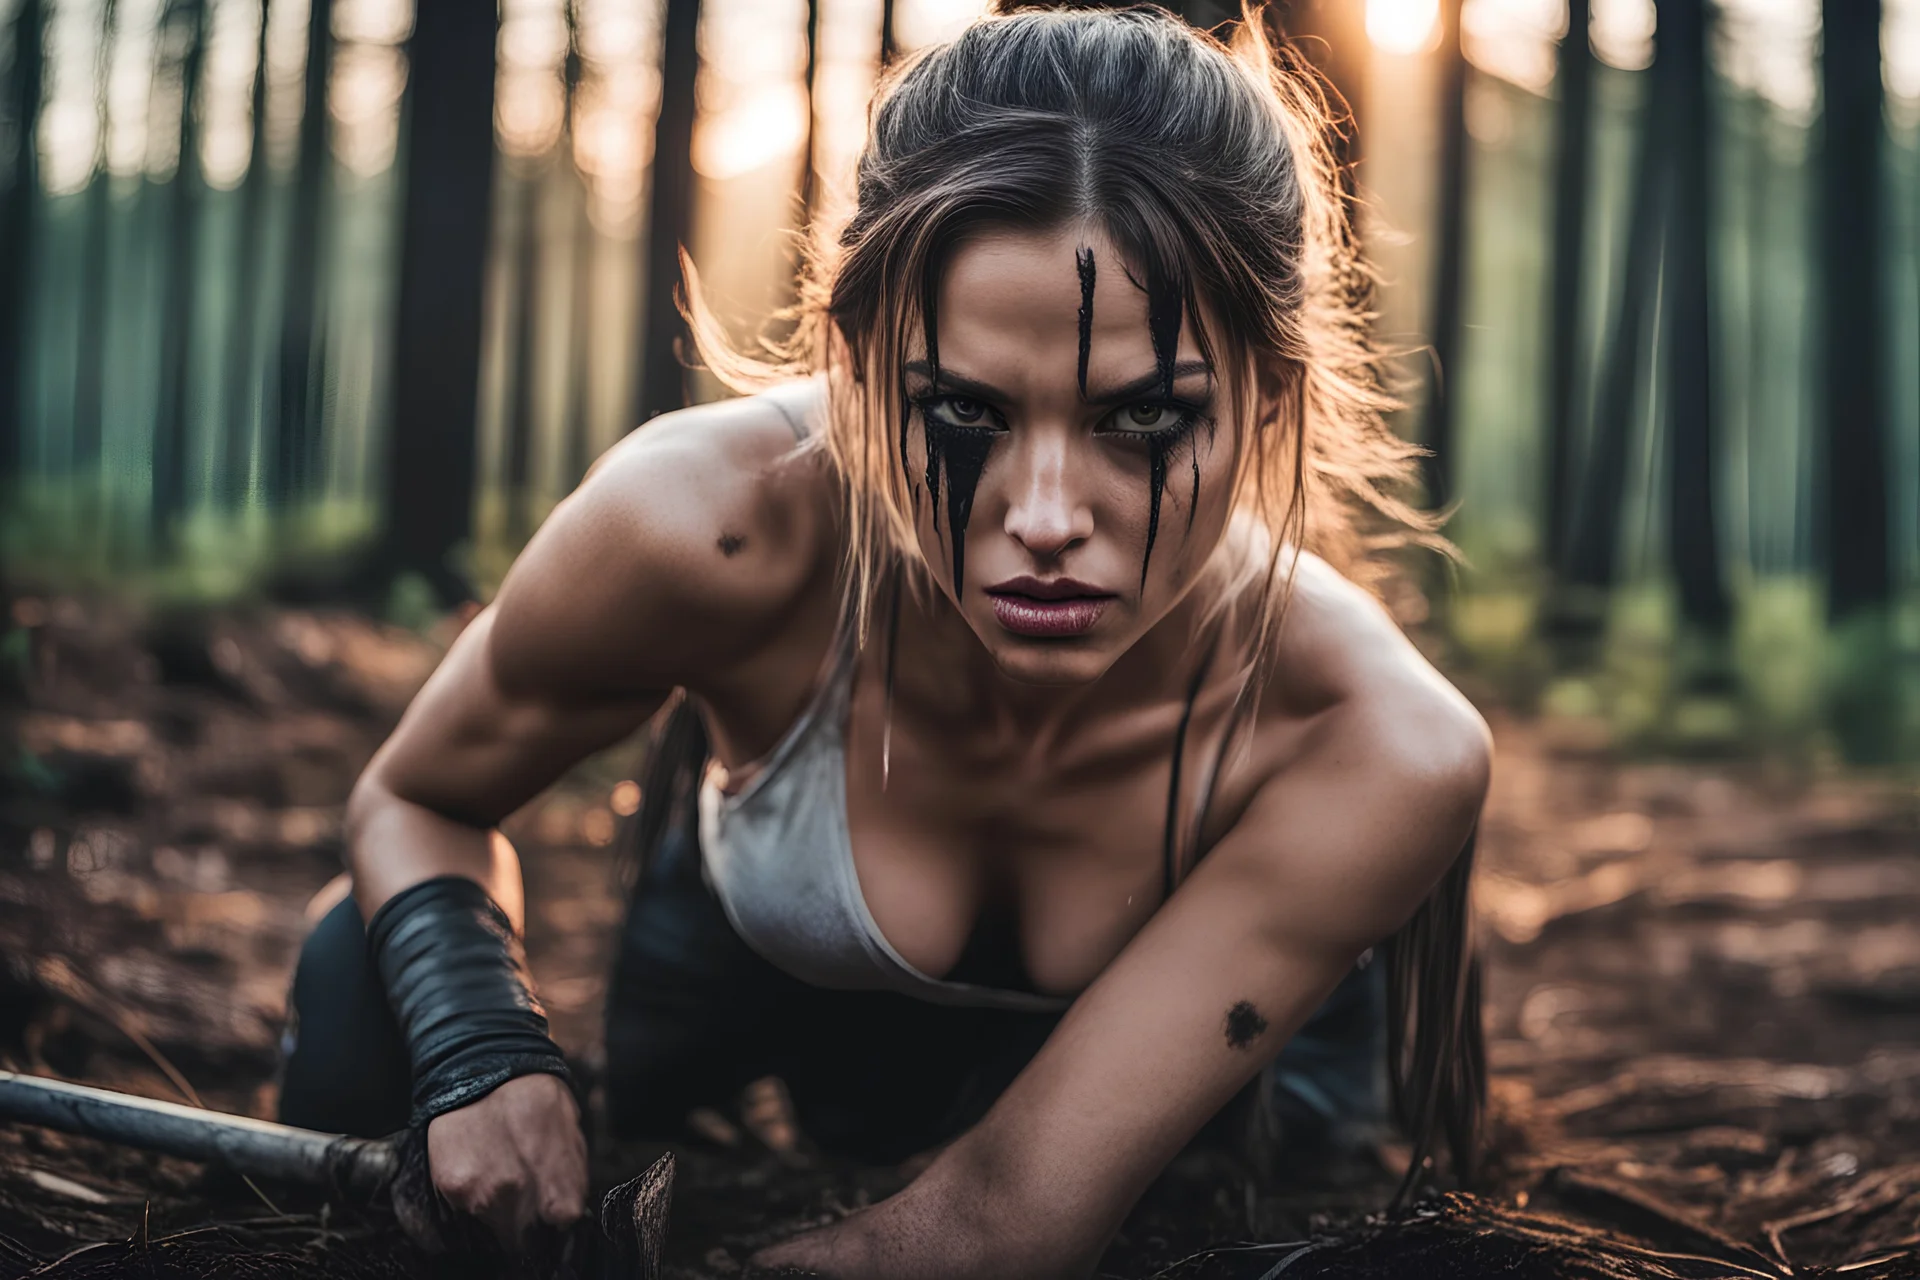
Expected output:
{"points": [[1166, 307], [1157, 451], [964, 456], [731, 544], [1244, 1025]]}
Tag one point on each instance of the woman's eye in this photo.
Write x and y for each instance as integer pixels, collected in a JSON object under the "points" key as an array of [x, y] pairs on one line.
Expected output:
{"points": [[965, 410], [1148, 417]]}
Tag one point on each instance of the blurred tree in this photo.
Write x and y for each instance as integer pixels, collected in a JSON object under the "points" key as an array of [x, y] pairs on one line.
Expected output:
{"points": [[670, 209], [1572, 162], [812, 74], [1449, 253], [577, 454], [245, 401], [1687, 322], [22, 175], [187, 18], [443, 251], [1333, 36], [297, 424], [523, 363], [1593, 539], [90, 372], [1853, 124]]}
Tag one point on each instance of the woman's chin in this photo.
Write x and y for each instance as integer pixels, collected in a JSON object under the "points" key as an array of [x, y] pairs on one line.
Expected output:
{"points": [[1051, 661]]}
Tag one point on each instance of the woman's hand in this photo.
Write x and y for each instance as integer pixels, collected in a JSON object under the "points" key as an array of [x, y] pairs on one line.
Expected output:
{"points": [[514, 1158], [947, 1225]]}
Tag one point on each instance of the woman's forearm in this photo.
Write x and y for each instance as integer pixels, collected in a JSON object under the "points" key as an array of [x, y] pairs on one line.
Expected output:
{"points": [[393, 843]]}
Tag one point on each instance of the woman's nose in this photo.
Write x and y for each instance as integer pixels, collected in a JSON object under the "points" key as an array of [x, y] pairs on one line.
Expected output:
{"points": [[1045, 515]]}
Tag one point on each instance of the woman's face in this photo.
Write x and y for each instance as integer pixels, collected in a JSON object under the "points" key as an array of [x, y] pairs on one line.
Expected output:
{"points": [[1049, 424]]}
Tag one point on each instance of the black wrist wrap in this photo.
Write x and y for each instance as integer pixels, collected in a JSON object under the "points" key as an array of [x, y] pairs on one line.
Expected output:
{"points": [[457, 979]]}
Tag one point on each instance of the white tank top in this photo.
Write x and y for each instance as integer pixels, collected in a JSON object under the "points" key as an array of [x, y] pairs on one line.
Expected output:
{"points": [[779, 858]]}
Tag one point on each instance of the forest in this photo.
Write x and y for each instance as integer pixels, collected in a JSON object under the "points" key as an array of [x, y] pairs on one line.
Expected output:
{"points": [[312, 310]]}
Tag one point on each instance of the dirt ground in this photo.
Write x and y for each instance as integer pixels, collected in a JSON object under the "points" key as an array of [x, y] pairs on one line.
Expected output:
{"points": [[1704, 994]]}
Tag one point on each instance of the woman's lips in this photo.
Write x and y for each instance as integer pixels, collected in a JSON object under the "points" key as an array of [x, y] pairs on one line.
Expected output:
{"points": [[1026, 616]]}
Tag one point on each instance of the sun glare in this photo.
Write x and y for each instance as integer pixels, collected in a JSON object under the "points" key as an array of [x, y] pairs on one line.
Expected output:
{"points": [[1404, 26]]}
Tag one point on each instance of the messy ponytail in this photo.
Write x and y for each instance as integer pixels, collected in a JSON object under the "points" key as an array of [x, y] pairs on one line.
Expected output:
{"points": [[1208, 163]]}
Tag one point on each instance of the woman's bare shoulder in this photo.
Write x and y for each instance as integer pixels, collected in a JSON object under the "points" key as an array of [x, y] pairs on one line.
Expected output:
{"points": [[1344, 664], [683, 551]]}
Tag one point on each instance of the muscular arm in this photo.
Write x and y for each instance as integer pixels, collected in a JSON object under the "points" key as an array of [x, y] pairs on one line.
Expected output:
{"points": [[676, 562], [621, 596], [1333, 853]]}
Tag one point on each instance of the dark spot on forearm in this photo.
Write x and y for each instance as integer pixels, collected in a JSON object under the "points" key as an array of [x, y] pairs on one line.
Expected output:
{"points": [[1244, 1025], [731, 545]]}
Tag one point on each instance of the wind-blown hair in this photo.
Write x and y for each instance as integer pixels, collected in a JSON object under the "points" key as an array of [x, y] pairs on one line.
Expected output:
{"points": [[1207, 164]]}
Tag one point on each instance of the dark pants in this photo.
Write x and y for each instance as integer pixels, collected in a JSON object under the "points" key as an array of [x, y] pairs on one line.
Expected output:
{"points": [[694, 1014]]}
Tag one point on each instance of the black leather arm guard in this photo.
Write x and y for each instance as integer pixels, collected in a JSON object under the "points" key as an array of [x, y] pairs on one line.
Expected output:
{"points": [[456, 976]]}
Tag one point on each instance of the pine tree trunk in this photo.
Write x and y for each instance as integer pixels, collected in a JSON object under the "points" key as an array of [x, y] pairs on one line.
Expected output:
{"points": [[297, 424], [1333, 36], [1692, 419], [1573, 161], [1450, 247], [443, 253], [670, 213], [1858, 568], [245, 412], [526, 355], [176, 338], [1600, 486], [22, 176]]}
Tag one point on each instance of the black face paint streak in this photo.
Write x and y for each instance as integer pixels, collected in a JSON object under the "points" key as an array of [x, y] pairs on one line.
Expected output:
{"points": [[1244, 1025], [963, 452], [1165, 308], [731, 544], [1083, 259]]}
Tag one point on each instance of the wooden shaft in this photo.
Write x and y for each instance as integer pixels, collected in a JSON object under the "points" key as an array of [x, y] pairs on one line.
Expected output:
{"points": [[255, 1147]]}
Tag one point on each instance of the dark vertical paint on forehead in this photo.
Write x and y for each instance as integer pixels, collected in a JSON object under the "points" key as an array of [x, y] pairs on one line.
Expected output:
{"points": [[1083, 259]]}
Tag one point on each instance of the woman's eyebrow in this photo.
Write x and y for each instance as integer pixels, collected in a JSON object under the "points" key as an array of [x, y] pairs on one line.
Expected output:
{"points": [[1148, 383], [1145, 384], [958, 383]]}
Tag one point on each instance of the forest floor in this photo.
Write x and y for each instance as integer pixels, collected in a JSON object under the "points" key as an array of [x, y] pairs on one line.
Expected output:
{"points": [[1704, 985]]}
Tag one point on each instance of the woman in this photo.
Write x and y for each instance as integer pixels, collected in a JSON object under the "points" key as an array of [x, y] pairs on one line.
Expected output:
{"points": [[1125, 790]]}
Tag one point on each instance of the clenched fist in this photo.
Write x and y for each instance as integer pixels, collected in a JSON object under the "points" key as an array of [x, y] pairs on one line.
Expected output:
{"points": [[514, 1158]]}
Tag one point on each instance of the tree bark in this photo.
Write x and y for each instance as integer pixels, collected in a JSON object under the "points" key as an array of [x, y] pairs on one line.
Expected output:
{"points": [[297, 424], [443, 252], [807, 192], [176, 338], [245, 413], [1573, 160], [1450, 249], [1693, 426], [670, 214], [1594, 530], [526, 353], [22, 174], [1859, 572], [1333, 36]]}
